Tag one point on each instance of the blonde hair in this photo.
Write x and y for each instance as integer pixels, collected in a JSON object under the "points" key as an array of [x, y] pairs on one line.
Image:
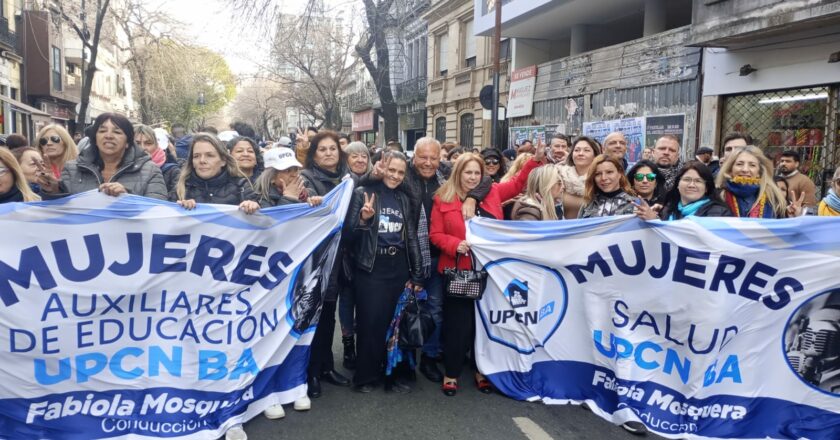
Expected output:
{"points": [[516, 166], [538, 191], [8, 159], [71, 151], [767, 187], [591, 188], [188, 169], [452, 186]]}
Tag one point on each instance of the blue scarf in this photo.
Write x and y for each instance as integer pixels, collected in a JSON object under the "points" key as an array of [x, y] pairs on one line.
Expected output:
{"points": [[690, 209], [832, 200]]}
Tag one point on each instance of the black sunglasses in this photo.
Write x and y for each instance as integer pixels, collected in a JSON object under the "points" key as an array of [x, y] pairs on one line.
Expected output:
{"points": [[54, 139], [491, 161]]}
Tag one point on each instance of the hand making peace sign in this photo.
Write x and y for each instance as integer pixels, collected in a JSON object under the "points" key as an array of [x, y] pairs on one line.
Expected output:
{"points": [[367, 210]]}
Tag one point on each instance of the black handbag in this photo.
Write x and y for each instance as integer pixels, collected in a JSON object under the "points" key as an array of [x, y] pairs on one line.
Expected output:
{"points": [[416, 325], [465, 284]]}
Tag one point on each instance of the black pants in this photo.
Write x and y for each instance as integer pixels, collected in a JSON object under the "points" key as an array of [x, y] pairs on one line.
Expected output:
{"points": [[458, 334], [377, 293], [321, 357]]}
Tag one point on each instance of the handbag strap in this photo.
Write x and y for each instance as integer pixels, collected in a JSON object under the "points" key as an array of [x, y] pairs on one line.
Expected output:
{"points": [[472, 260]]}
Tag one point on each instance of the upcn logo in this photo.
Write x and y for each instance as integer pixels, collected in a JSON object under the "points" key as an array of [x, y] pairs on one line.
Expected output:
{"points": [[517, 295], [524, 313]]}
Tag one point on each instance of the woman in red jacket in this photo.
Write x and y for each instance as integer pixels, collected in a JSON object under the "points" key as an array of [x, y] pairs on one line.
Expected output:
{"points": [[448, 232]]}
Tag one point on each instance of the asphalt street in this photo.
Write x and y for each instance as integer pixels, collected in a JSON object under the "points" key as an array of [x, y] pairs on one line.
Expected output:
{"points": [[426, 413]]}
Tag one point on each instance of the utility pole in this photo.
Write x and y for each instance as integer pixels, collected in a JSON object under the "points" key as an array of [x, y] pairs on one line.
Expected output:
{"points": [[83, 17], [497, 40]]}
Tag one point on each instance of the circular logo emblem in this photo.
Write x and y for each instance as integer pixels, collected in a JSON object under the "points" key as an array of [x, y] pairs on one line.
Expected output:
{"points": [[811, 342], [523, 304]]}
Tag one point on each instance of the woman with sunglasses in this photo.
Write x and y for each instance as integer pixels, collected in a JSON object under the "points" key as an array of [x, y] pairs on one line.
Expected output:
{"points": [[830, 204], [493, 164], [693, 195], [647, 182], [57, 148]]}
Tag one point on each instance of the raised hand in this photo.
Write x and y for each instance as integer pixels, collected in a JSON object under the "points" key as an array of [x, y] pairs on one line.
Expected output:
{"points": [[367, 209], [381, 166], [794, 209], [540, 155], [45, 178]]}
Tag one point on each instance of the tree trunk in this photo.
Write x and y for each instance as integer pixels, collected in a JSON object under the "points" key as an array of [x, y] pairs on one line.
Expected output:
{"points": [[389, 114]]}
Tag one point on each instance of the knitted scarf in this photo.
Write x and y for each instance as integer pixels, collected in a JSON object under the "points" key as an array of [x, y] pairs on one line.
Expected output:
{"points": [[743, 198], [831, 202]]}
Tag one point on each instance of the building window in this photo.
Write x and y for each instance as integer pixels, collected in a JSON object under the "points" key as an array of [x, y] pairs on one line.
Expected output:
{"points": [[441, 43], [422, 58], [468, 43], [467, 130], [56, 69], [440, 129], [504, 49]]}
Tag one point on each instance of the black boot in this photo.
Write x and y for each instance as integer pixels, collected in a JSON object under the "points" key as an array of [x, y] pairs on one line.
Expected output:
{"points": [[428, 366], [349, 352]]}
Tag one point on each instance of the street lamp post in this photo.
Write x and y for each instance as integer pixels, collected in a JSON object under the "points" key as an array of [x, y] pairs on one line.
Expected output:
{"points": [[497, 41]]}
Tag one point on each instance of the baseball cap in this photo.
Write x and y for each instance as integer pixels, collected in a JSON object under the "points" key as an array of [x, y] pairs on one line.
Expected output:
{"points": [[281, 159], [227, 135], [284, 141]]}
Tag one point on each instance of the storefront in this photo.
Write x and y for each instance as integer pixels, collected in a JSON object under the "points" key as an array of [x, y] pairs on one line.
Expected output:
{"points": [[364, 126], [798, 119], [17, 117]]}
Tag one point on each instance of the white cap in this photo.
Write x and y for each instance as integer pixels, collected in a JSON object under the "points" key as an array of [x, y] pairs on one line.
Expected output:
{"points": [[281, 159], [162, 138], [227, 135]]}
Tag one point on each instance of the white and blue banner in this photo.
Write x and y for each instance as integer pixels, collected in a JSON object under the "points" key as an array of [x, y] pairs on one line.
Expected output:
{"points": [[700, 328], [133, 318]]}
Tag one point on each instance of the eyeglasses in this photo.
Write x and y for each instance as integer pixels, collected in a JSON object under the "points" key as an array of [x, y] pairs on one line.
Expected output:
{"points": [[641, 176], [689, 181], [491, 161], [3, 171], [54, 139]]}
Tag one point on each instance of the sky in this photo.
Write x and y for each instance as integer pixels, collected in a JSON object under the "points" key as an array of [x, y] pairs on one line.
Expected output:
{"points": [[212, 24]]}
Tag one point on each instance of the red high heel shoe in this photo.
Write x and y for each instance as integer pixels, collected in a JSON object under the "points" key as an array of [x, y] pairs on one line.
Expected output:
{"points": [[449, 388], [484, 386]]}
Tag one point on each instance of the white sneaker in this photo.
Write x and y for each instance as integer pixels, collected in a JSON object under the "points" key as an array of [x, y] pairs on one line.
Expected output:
{"points": [[274, 412], [236, 433], [303, 404]]}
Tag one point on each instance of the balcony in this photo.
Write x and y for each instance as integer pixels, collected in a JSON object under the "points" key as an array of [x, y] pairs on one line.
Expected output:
{"points": [[362, 100], [7, 37], [413, 90]]}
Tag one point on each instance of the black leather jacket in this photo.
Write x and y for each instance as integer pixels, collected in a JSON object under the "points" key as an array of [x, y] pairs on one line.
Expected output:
{"points": [[362, 238]]}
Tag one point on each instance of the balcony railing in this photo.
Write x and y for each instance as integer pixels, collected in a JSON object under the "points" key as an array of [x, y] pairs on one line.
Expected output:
{"points": [[362, 100], [412, 90], [7, 37]]}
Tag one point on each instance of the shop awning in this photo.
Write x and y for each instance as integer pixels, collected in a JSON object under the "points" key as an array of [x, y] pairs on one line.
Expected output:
{"points": [[23, 107]]}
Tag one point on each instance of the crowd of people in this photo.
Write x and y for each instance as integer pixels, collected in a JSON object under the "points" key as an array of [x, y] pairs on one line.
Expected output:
{"points": [[406, 221]]}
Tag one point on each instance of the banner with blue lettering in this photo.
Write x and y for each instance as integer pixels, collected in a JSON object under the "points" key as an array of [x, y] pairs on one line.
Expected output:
{"points": [[130, 317], [699, 328]]}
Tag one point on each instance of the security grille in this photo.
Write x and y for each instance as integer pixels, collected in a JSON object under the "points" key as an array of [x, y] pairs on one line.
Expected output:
{"points": [[798, 119], [467, 130]]}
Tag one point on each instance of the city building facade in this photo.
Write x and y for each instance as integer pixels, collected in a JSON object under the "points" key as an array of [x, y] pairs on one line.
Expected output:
{"points": [[459, 66], [602, 64], [772, 70]]}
